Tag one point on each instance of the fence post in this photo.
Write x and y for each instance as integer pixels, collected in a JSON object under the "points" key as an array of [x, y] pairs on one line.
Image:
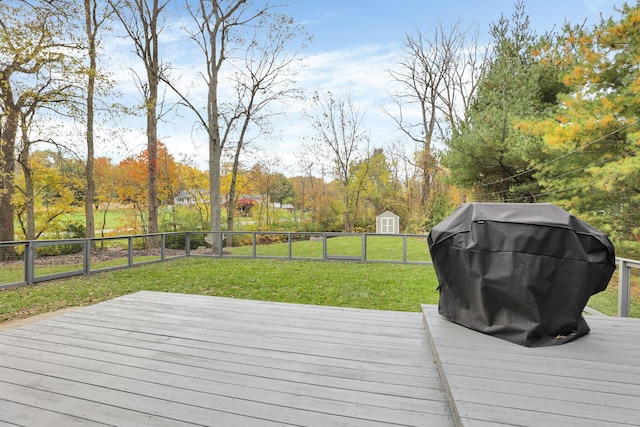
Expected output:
{"points": [[290, 245], [86, 262], [253, 245], [324, 246], [364, 247], [130, 251], [29, 261], [624, 289], [187, 243], [404, 248]]}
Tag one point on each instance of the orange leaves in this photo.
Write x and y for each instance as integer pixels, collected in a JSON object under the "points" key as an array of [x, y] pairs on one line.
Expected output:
{"points": [[134, 175]]}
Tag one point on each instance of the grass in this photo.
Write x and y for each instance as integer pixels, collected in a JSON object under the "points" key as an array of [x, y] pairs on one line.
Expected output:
{"points": [[115, 218], [607, 301], [375, 286], [388, 248], [15, 274]]}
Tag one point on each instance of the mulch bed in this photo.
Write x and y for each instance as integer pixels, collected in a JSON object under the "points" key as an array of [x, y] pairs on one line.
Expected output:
{"points": [[96, 256]]}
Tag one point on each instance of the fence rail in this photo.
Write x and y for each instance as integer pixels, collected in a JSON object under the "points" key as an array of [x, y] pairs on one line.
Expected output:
{"points": [[88, 255]]}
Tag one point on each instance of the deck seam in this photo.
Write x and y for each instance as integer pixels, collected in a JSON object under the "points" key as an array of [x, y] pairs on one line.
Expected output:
{"points": [[451, 401]]}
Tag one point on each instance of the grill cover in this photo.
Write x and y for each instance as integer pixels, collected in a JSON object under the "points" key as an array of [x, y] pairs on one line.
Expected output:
{"points": [[521, 272]]}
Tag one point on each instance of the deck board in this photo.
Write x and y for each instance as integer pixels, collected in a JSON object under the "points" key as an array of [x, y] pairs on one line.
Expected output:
{"points": [[593, 381], [166, 359]]}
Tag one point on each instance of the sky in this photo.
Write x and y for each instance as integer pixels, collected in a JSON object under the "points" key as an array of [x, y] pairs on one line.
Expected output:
{"points": [[355, 43]]}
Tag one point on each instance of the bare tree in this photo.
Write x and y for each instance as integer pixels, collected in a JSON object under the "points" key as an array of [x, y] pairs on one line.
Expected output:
{"points": [[141, 20], [95, 16], [437, 79], [262, 76], [340, 139]]}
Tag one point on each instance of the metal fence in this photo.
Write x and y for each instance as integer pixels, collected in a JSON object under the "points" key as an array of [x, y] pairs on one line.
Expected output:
{"points": [[36, 261]]}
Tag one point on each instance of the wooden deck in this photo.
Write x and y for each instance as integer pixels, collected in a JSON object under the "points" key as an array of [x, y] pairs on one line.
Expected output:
{"points": [[593, 381], [169, 359]]}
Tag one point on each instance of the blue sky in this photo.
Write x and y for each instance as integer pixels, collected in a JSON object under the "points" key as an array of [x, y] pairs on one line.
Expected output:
{"points": [[344, 24], [355, 43]]}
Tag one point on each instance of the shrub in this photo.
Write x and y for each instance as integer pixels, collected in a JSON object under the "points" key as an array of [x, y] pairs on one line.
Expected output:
{"points": [[72, 230]]}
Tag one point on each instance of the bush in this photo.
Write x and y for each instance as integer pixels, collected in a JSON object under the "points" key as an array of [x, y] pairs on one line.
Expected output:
{"points": [[180, 218], [178, 241], [72, 230]]}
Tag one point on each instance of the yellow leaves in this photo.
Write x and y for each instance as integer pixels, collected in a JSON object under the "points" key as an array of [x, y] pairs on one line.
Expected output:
{"points": [[607, 120], [558, 136], [585, 40], [607, 104], [575, 77], [635, 85], [591, 56]]}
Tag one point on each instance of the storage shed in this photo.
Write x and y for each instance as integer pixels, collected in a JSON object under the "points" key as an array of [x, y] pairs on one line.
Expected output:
{"points": [[387, 223]]}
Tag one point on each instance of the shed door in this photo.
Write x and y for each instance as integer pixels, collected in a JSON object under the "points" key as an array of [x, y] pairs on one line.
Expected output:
{"points": [[387, 225]]}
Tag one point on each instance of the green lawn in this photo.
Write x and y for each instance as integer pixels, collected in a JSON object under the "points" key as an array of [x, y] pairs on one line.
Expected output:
{"points": [[607, 302], [388, 248], [114, 219], [376, 286]]}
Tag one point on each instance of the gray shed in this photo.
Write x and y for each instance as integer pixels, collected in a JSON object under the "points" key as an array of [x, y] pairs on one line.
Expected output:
{"points": [[387, 223]]}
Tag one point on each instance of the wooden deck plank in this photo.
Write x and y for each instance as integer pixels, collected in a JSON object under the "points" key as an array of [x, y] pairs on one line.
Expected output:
{"points": [[266, 337], [242, 354], [31, 414], [54, 361], [156, 358], [593, 381], [229, 372], [200, 407], [269, 313]]}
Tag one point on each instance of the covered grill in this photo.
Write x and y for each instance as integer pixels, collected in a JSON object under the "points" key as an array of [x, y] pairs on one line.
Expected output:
{"points": [[520, 272]]}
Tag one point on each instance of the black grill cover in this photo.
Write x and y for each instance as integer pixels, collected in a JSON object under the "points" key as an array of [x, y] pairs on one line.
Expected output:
{"points": [[520, 272]]}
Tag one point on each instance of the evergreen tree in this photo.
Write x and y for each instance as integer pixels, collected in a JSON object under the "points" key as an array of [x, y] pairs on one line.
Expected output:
{"points": [[489, 152], [593, 136]]}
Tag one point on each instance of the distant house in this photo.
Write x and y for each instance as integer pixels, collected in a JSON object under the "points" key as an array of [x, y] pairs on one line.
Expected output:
{"points": [[387, 223], [286, 206], [188, 198], [183, 198]]}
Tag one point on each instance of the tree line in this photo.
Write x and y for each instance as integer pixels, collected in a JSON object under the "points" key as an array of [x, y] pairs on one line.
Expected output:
{"points": [[525, 118], [266, 198]]}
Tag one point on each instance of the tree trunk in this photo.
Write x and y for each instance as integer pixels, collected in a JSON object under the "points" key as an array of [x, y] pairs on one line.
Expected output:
{"points": [[236, 165], [90, 189], [214, 190], [7, 173], [24, 162], [29, 203], [231, 204], [345, 215], [152, 143]]}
